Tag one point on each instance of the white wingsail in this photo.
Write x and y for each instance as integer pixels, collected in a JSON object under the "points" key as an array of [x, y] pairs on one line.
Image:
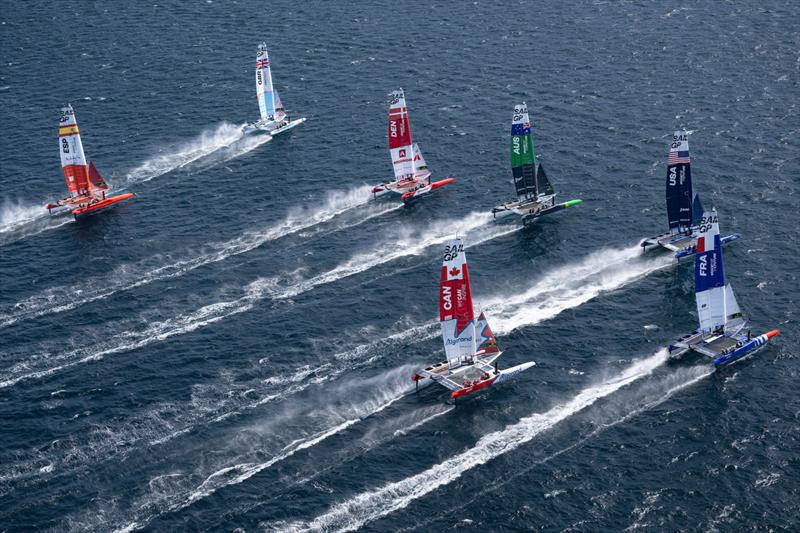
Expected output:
{"points": [[264, 89], [709, 277]]}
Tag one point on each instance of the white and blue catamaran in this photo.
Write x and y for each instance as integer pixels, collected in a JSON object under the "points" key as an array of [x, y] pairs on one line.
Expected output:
{"points": [[535, 194], [469, 344], [684, 208], [721, 334], [274, 119]]}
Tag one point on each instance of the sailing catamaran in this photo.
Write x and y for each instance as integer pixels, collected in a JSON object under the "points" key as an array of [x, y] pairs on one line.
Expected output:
{"points": [[720, 335], [412, 177], [470, 346], [274, 119], [535, 193], [684, 208], [87, 188]]}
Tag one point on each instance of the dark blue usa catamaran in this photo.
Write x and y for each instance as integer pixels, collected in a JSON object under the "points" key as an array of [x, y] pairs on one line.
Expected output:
{"points": [[684, 208]]}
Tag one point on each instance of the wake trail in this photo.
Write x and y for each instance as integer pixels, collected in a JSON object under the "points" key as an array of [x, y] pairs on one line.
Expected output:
{"points": [[369, 506], [684, 380], [409, 242], [556, 291], [160, 267], [240, 472], [570, 286], [19, 220], [223, 136], [560, 289]]}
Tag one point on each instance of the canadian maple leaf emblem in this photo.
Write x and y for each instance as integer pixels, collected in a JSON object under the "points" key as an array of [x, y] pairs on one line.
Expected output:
{"points": [[454, 271]]}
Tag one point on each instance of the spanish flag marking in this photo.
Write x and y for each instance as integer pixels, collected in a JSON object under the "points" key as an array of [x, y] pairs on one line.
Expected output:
{"points": [[68, 130]]}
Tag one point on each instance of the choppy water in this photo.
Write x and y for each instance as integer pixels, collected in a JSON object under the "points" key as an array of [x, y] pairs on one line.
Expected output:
{"points": [[232, 349]]}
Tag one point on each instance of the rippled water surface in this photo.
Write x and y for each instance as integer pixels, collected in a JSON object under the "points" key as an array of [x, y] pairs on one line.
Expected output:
{"points": [[233, 348]]}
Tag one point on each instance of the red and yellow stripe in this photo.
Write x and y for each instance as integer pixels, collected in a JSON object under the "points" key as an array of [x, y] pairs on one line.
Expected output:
{"points": [[71, 129]]}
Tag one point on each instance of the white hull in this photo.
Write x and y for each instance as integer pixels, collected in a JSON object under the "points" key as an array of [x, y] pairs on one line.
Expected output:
{"points": [[273, 127]]}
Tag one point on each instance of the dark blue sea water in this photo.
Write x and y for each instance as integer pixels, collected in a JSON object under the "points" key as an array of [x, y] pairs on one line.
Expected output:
{"points": [[231, 350]]}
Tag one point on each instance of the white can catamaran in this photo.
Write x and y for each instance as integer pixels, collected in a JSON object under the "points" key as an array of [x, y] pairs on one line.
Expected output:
{"points": [[412, 178], [721, 333], [535, 194], [87, 188], [684, 208], [469, 344], [274, 119]]}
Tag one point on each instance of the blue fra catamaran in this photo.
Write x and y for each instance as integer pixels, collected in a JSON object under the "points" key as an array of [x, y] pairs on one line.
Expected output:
{"points": [[684, 208], [721, 333]]}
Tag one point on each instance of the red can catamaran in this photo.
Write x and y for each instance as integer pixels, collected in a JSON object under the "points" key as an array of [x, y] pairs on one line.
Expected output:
{"points": [[87, 188], [469, 344]]}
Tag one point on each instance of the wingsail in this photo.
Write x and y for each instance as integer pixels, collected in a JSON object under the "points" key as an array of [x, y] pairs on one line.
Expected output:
{"points": [[709, 275], [679, 184], [523, 159], [264, 89], [456, 314], [73, 160], [400, 145]]}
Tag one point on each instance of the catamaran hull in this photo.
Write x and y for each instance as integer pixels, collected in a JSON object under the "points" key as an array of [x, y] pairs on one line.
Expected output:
{"points": [[681, 245], [271, 127], [102, 205], [408, 194], [747, 349], [501, 377], [530, 212], [736, 346], [411, 195]]}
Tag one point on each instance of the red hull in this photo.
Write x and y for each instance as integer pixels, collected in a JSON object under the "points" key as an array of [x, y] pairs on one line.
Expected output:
{"points": [[474, 388], [428, 188], [101, 205]]}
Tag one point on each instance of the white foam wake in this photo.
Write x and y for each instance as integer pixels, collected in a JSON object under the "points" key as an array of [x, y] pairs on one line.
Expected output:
{"points": [[208, 142], [389, 392], [407, 242], [19, 220], [160, 267], [369, 506], [649, 399], [570, 286]]}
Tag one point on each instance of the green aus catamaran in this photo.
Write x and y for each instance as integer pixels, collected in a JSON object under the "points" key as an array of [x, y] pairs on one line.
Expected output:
{"points": [[535, 193]]}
